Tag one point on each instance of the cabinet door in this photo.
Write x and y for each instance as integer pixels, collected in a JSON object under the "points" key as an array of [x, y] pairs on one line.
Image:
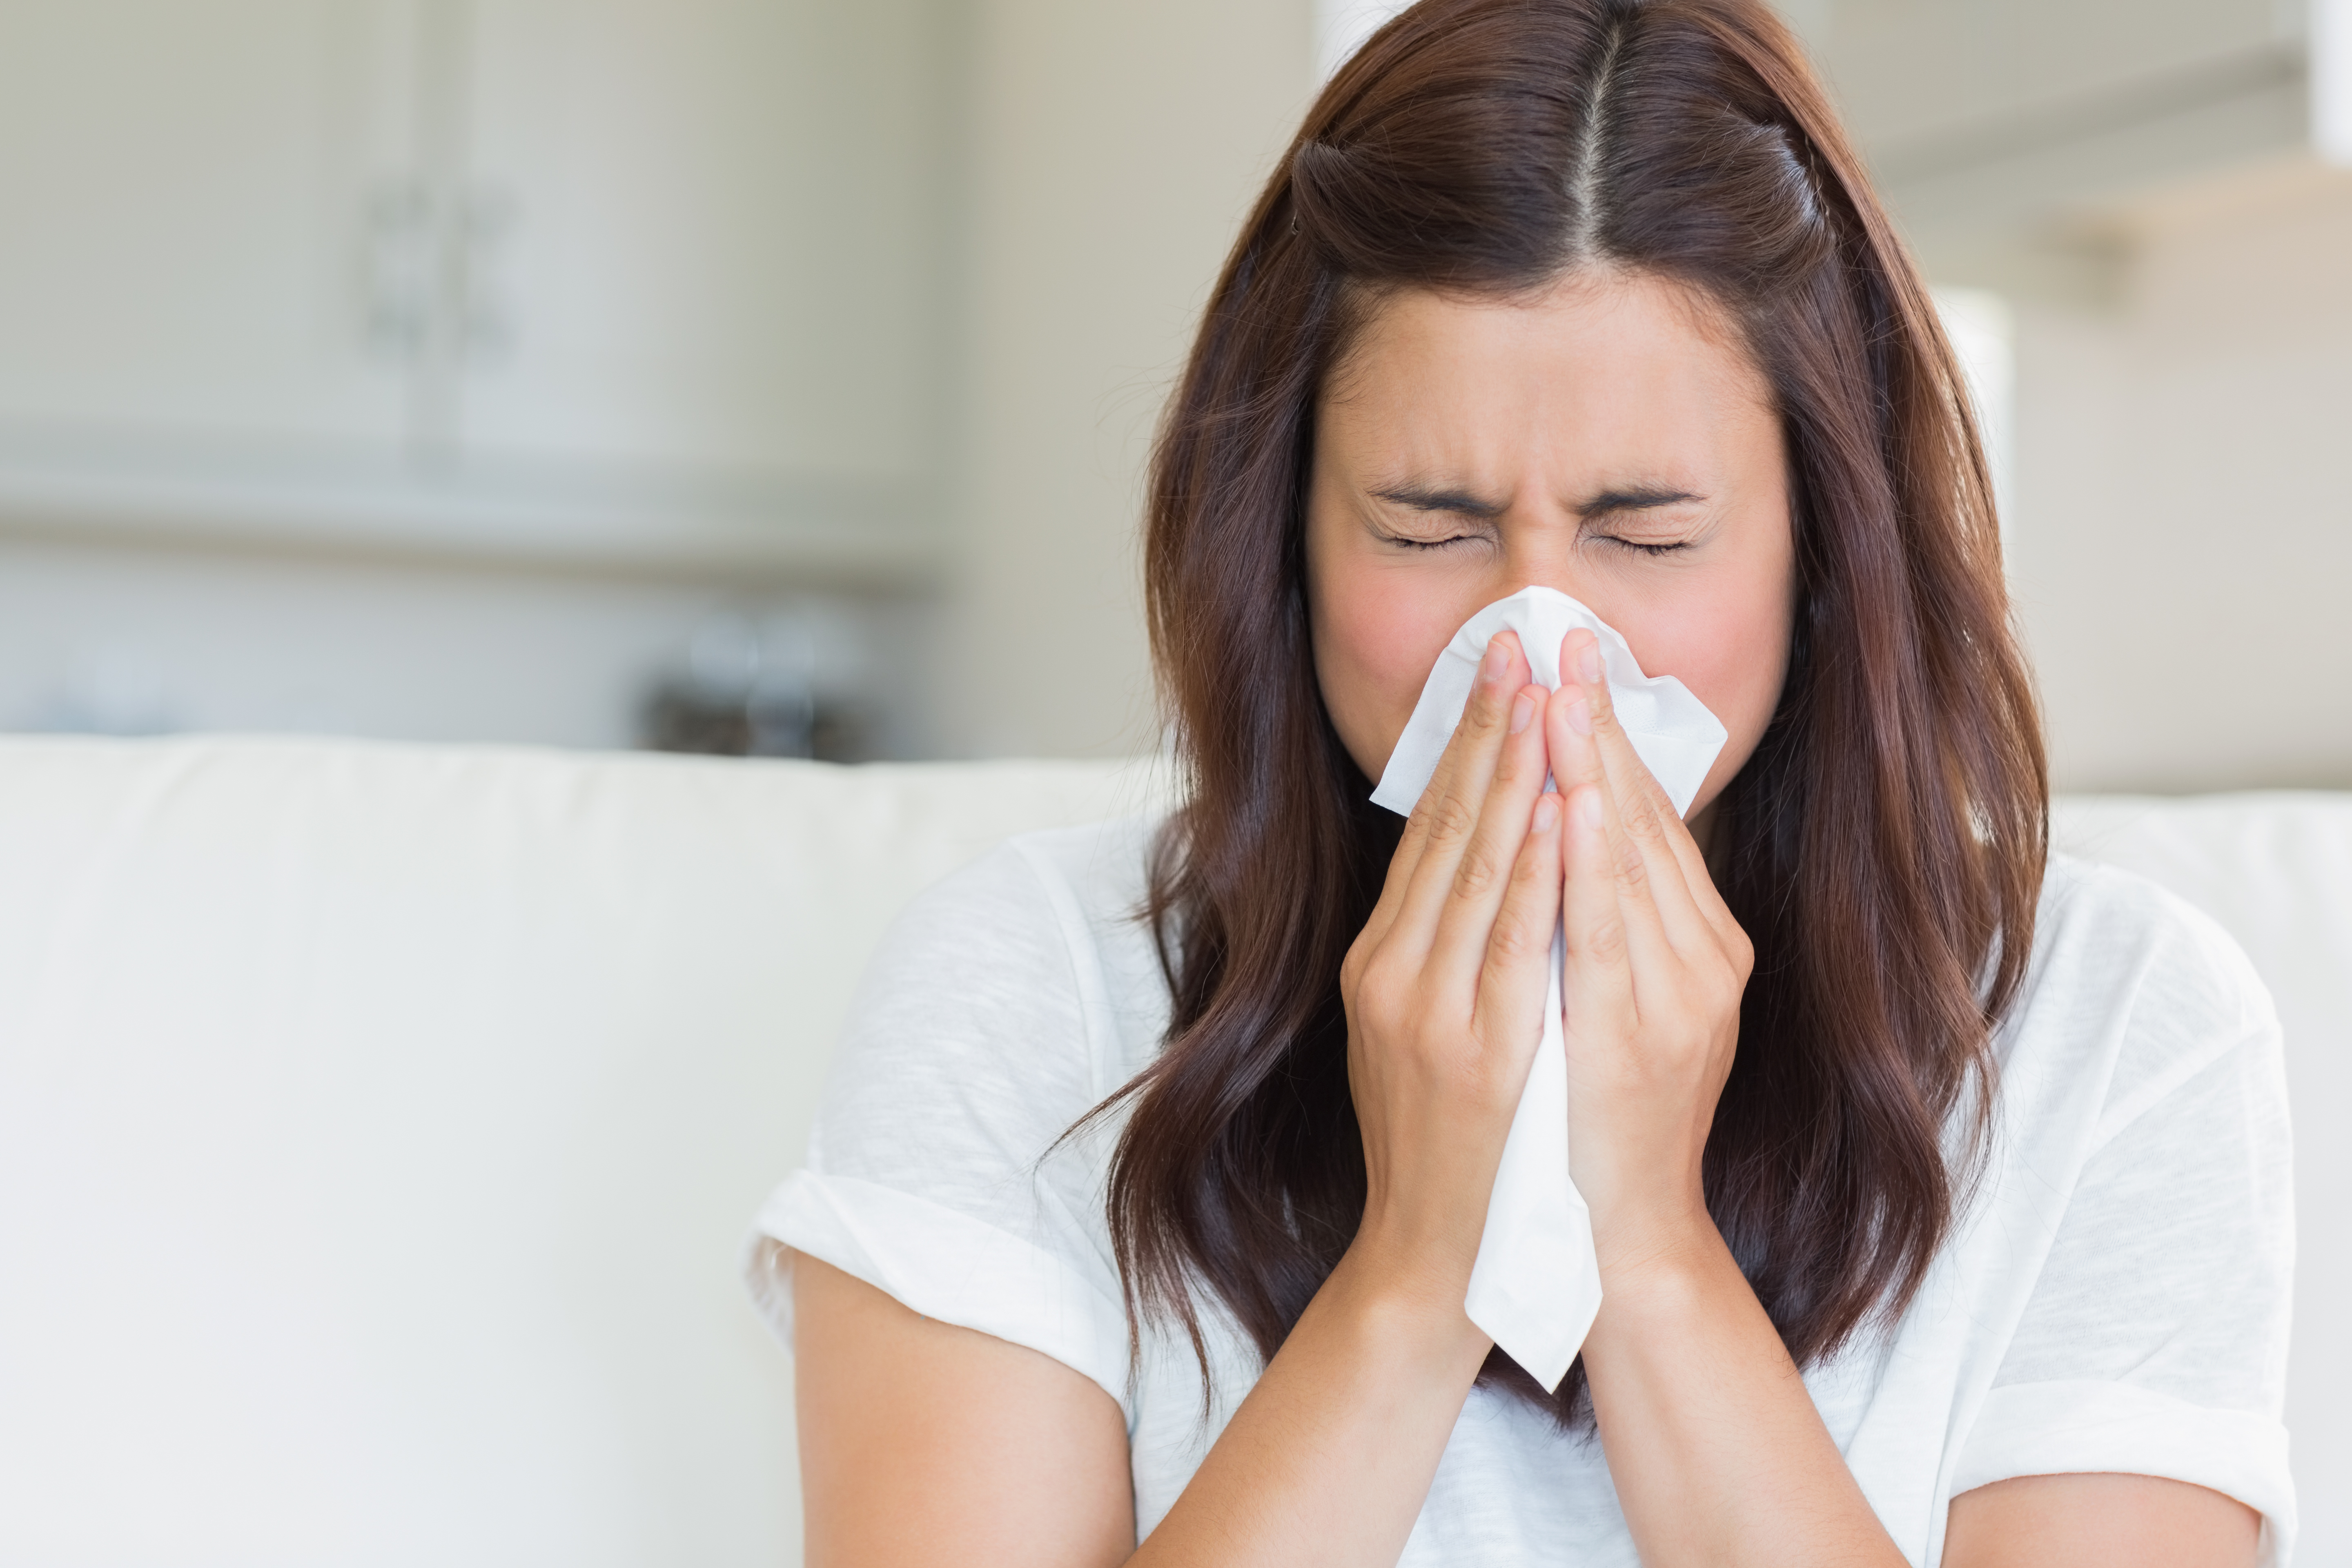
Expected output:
{"points": [[181, 201], [709, 236]]}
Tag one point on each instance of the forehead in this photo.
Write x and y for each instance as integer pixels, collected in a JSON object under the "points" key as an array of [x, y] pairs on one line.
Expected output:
{"points": [[1611, 369]]}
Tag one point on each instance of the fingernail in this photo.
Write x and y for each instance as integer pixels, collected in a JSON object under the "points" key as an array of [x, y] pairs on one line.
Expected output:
{"points": [[1589, 663], [1547, 811], [1522, 712], [1491, 668], [1588, 807], [1579, 715]]}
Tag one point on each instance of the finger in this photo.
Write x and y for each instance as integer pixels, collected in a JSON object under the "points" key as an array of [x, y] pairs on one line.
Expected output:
{"points": [[1513, 978], [1653, 810], [1645, 818], [1483, 876], [1577, 763], [1446, 817], [1418, 820], [1427, 810], [1597, 979]]}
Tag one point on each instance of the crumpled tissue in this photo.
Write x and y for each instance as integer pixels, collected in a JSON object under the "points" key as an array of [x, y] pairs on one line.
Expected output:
{"points": [[1536, 1286]]}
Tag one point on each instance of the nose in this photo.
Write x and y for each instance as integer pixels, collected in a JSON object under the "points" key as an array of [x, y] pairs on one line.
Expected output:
{"points": [[1539, 542]]}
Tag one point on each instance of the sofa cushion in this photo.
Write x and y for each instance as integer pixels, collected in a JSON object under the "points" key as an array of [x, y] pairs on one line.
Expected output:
{"points": [[379, 1128]]}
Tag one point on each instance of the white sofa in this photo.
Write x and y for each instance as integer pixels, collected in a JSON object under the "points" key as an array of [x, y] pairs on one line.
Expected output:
{"points": [[379, 1127]]}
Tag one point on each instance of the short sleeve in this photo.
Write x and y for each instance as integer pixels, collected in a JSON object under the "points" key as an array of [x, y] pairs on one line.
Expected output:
{"points": [[937, 1169], [2154, 1339]]}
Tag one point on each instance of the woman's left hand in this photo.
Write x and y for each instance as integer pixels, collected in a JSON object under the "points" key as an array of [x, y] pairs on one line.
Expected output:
{"points": [[1655, 972]]}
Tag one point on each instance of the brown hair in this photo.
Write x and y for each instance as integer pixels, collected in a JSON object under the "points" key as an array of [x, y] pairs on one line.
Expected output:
{"points": [[1883, 846]]}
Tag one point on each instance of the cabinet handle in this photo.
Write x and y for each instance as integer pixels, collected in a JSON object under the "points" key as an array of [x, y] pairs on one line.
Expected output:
{"points": [[429, 272], [398, 265], [486, 218]]}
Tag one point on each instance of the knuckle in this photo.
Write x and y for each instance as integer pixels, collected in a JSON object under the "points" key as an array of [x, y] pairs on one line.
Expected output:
{"points": [[1512, 940], [1606, 940], [1531, 865], [1632, 871], [1449, 819], [1725, 1007], [1478, 871], [1483, 713]]}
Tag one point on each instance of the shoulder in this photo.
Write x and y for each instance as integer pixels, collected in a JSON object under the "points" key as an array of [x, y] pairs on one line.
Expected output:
{"points": [[2138, 1244], [2098, 921], [1029, 970], [952, 1164], [2131, 992], [1051, 889]]}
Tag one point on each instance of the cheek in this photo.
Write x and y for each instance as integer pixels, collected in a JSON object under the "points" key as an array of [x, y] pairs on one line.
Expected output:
{"points": [[1377, 631], [1732, 650]]}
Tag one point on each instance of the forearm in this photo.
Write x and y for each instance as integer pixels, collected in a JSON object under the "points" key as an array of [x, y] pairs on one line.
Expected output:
{"points": [[1716, 1450], [1328, 1460]]}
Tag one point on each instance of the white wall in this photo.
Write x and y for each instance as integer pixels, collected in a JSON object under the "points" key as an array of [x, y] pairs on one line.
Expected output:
{"points": [[1113, 151], [2182, 541]]}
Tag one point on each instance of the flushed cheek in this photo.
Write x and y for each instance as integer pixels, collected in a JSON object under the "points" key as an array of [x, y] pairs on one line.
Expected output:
{"points": [[1375, 642], [1732, 656]]}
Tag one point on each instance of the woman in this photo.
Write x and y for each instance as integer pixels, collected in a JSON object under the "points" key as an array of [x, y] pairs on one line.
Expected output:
{"points": [[1940, 1198]]}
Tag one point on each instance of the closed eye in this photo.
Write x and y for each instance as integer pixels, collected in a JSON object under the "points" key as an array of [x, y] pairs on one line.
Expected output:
{"points": [[1410, 543], [1641, 505]]}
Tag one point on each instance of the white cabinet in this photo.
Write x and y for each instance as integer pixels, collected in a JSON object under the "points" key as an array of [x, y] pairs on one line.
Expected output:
{"points": [[717, 256], [653, 281], [177, 187]]}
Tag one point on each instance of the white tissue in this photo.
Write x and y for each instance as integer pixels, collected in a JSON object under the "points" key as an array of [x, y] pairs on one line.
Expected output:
{"points": [[1536, 1286]]}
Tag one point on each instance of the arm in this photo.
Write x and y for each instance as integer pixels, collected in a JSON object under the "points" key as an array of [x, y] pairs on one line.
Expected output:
{"points": [[1696, 1383], [926, 1444], [922, 1442], [2096, 1522], [1716, 1450]]}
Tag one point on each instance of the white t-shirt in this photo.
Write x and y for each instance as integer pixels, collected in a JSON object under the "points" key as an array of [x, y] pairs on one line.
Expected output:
{"points": [[2115, 1297]]}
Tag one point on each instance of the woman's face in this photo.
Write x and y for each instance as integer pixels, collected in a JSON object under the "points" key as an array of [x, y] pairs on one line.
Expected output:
{"points": [[1610, 440]]}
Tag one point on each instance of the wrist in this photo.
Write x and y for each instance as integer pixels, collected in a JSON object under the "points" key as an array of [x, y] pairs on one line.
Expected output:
{"points": [[1403, 1296], [1661, 1254]]}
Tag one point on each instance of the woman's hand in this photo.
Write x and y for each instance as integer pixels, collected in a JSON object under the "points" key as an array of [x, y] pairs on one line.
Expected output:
{"points": [[1444, 988], [1655, 968]]}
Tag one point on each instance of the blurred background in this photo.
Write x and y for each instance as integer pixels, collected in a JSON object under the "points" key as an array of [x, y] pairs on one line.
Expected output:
{"points": [[776, 376]]}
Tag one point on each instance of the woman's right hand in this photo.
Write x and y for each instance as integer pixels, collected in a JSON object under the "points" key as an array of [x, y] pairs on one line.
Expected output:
{"points": [[1444, 988]]}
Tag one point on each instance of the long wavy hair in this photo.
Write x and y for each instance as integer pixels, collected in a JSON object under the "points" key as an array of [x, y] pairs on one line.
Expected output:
{"points": [[1883, 846]]}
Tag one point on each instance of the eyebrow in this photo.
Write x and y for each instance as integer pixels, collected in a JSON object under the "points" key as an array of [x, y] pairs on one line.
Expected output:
{"points": [[1641, 498], [1607, 503], [1424, 498]]}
